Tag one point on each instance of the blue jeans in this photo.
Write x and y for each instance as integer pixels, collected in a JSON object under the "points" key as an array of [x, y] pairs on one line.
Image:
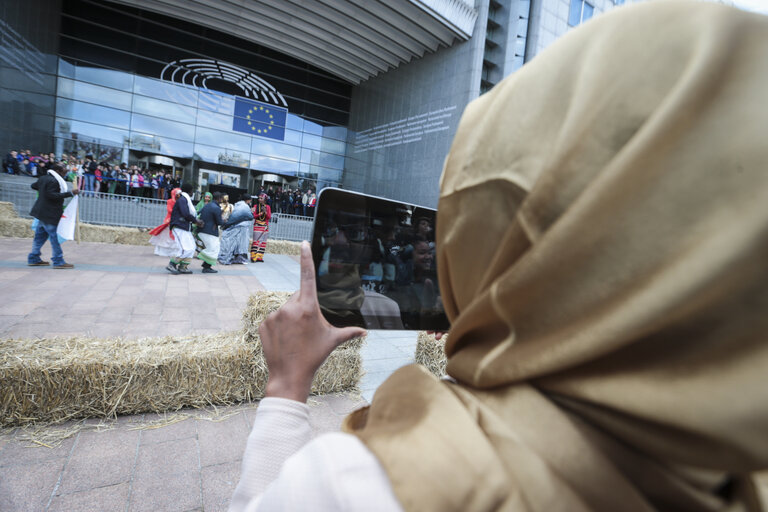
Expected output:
{"points": [[90, 181], [43, 233]]}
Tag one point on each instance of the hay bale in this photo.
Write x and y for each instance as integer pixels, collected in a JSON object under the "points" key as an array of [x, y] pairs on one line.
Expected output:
{"points": [[55, 380], [7, 210], [113, 235], [286, 247], [430, 353], [260, 305], [14, 227]]}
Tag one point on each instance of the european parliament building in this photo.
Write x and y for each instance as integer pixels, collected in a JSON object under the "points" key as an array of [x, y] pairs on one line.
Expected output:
{"points": [[363, 94]]}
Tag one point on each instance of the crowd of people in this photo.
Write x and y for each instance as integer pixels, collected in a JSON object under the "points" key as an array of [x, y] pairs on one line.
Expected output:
{"points": [[131, 180], [92, 176], [290, 201]]}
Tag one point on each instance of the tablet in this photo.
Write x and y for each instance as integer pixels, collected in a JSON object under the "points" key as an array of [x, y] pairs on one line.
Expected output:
{"points": [[375, 263]]}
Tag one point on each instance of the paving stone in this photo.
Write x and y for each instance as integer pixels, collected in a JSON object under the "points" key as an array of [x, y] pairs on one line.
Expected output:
{"points": [[18, 453], [94, 443], [322, 418], [8, 321], [169, 458], [82, 304], [206, 321], [342, 403], [107, 468], [181, 430], [112, 315], [176, 314], [222, 441], [100, 499], [25, 488], [139, 331], [174, 328], [219, 484], [159, 491], [19, 308]]}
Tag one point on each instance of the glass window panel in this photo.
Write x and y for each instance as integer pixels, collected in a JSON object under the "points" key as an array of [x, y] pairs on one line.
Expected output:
{"points": [[87, 132], [216, 102], [12, 78], [294, 122], [327, 174], [157, 126], [161, 145], [221, 155], [588, 12], [331, 161], [311, 141], [66, 68], [214, 120], [292, 137], [314, 128], [107, 77], [337, 147], [335, 132], [262, 147], [167, 91], [223, 139], [92, 113], [90, 93], [164, 109], [276, 165], [574, 14], [310, 156]]}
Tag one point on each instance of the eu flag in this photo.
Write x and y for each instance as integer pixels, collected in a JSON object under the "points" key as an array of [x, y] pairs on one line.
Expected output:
{"points": [[259, 118]]}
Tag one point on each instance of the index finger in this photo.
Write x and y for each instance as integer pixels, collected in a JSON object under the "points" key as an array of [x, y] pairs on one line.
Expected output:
{"points": [[307, 290]]}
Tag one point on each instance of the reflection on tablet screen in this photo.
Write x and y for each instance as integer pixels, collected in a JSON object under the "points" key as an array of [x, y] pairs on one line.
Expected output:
{"points": [[375, 262]]}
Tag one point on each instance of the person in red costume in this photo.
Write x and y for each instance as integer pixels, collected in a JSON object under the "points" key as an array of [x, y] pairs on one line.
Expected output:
{"points": [[162, 238], [262, 213]]}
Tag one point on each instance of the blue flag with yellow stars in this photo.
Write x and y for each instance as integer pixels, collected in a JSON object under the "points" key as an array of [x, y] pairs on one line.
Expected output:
{"points": [[260, 119]]}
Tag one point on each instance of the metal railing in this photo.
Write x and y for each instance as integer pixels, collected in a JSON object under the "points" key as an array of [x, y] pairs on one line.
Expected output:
{"points": [[136, 212], [95, 207], [290, 227]]}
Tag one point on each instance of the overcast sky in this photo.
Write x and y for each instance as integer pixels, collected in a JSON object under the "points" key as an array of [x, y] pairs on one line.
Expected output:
{"points": [[760, 6]]}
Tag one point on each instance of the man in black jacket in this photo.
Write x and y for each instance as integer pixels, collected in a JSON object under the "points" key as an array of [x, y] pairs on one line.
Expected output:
{"points": [[52, 190], [209, 233]]}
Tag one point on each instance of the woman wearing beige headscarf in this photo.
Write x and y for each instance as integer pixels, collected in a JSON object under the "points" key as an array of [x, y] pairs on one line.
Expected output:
{"points": [[608, 338]]}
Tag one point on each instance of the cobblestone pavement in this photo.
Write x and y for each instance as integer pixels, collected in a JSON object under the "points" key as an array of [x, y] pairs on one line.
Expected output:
{"points": [[182, 461]]}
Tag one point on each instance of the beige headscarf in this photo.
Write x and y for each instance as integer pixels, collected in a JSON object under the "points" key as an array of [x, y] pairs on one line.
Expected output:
{"points": [[610, 324]]}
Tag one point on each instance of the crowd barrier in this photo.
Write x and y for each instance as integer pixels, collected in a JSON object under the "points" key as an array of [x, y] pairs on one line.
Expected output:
{"points": [[137, 212]]}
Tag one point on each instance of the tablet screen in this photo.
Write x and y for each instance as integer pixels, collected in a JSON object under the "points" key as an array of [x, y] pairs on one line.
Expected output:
{"points": [[375, 263]]}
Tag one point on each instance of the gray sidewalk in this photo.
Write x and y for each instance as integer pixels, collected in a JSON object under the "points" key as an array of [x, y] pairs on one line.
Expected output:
{"points": [[182, 461]]}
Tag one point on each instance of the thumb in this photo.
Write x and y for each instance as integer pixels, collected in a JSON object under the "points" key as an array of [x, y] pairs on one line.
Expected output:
{"points": [[347, 333]]}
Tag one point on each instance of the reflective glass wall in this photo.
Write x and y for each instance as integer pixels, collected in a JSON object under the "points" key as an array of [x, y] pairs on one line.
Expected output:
{"points": [[116, 96], [28, 54]]}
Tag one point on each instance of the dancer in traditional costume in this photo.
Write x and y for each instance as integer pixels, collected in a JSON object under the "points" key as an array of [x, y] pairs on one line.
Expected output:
{"points": [[226, 208], [182, 215], [209, 234], [262, 213], [206, 199], [162, 238], [236, 235]]}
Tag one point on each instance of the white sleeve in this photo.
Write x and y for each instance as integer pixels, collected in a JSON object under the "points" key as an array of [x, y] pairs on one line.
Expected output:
{"points": [[282, 470]]}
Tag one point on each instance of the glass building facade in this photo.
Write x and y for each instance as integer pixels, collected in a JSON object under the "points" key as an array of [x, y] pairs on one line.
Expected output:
{"points": [[127, 85]]}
